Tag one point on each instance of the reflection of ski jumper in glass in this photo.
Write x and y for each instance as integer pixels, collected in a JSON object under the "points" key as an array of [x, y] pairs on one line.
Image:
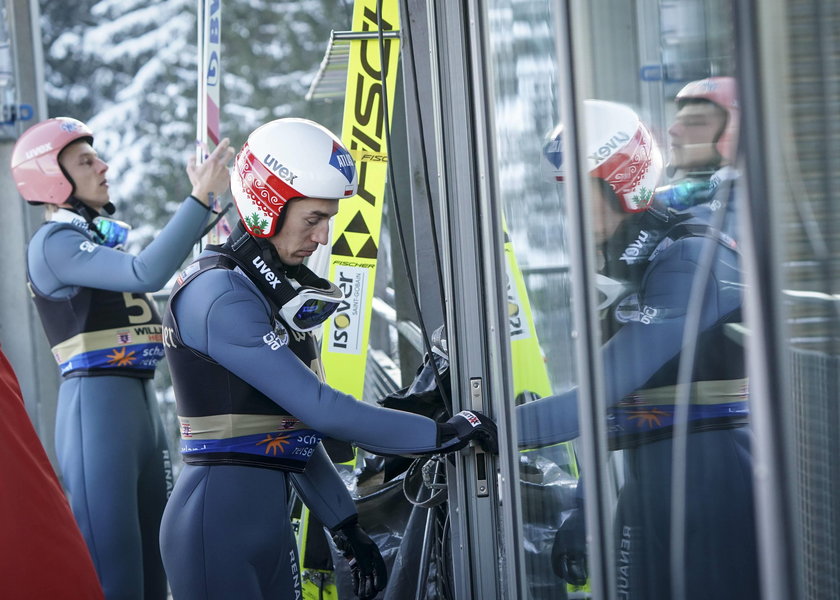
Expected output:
{"points": [[105, 334], [244, 380], [640, 363]]}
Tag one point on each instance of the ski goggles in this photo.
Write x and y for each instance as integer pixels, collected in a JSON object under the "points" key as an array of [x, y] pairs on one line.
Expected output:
{"points": [[310, 306], [685, 194], [112, 233]]}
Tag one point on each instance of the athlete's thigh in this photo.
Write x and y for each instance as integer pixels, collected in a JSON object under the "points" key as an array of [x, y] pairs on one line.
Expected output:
{"points": [[153, 487], [101, 429], [642, 525], [104, 436], [97, 457], [721, 551], [226, 533]]}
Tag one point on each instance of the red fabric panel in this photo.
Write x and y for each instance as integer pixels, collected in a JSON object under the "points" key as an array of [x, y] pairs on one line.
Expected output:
{"points": [[42, 552]]}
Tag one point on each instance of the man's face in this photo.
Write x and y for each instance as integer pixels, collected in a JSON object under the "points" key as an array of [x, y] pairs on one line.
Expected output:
{"points": [[306, 226], [606, 217], [693, 134], [87, 171]]}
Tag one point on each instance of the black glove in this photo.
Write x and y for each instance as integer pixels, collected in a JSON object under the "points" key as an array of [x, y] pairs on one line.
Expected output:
{"points": [[366, 565], [465, 426], [568, 555]]}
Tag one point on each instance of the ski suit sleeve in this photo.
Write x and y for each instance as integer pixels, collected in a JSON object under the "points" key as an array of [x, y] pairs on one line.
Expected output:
{"points": [[323, 491], [639, 350], [222, 315], [63, 258]]}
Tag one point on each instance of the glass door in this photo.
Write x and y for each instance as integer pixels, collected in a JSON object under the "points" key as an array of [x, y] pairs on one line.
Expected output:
{"points": [[615, 129]]}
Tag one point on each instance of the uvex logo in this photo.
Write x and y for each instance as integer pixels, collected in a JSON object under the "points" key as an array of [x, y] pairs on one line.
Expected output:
{"points": [[609, 147], [634, 250], [38, 150], [278, 169], [266, 272]]}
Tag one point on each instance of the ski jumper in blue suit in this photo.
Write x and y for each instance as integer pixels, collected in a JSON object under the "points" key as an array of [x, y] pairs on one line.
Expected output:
{"points": [[254, 408], [105, 334], [656, 258]]}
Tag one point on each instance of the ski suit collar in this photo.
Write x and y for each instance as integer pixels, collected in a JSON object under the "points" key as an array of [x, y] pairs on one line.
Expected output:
{"points": [[66, 215]]}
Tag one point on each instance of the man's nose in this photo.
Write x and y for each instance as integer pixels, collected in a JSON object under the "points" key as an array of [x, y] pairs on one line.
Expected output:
{"points": [[675, 129], [103, 166], [321, 233]]}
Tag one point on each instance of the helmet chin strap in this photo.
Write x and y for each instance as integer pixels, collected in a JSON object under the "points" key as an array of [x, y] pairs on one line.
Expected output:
{"points": [[239, 236], [85, 211]]}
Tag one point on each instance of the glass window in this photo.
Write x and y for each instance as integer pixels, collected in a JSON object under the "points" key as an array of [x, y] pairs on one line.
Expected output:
{"points": [[658, 126], [526, 112], [809, 147]]}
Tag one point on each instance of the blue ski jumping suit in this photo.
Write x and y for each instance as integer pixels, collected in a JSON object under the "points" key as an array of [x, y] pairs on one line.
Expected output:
{"points": [[658, 262], [105, 334], [254, 408]]}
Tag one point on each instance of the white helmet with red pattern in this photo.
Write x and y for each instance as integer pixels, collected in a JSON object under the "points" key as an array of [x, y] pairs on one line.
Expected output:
{"points": [[723, 92], [35, 168], [619, 149], [286, 159]]}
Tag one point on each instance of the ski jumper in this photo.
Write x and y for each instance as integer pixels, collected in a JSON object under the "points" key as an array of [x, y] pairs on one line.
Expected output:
{"points": [[641, 360], [105, 334], [253, 408], [43, 554]]}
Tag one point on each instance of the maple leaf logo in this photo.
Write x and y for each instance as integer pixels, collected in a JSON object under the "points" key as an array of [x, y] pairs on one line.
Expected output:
{"points": [[119, 357], [275, 443], [648, 417]]}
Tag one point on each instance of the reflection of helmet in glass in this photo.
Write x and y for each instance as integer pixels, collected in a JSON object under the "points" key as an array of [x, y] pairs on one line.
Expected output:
{"points": [[286, 159], [722, 92], [619, 150], [35, 167]]}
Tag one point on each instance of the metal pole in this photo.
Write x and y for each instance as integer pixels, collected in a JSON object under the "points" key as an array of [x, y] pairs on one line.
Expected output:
{"points": [[21, 334]]}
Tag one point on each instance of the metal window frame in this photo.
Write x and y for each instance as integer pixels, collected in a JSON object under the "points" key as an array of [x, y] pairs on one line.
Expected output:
{"points": [[485, 534], [761, 60], [474, 543], [572, 27]]}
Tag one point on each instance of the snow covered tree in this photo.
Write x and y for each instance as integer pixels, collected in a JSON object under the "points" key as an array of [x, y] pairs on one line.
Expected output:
{"points": [[128, 68]]}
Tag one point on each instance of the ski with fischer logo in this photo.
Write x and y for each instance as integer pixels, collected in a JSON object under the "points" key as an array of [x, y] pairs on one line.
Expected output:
{"points": [[355, 234], [530, 373], [355, 237]]}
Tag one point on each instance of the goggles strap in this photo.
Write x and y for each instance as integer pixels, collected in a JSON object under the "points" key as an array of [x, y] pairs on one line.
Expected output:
{"points": [[271, 281], [305, 276]]}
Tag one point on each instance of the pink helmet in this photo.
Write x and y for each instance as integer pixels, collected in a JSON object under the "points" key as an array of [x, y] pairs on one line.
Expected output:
{"points": [[35, 167], [619, 149], [723, 92], [286, 159]]}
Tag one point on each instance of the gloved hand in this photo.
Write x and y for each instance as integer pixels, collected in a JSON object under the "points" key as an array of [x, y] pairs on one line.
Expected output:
{"points": [[366, 565], [568, 555], [465, 426]]}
